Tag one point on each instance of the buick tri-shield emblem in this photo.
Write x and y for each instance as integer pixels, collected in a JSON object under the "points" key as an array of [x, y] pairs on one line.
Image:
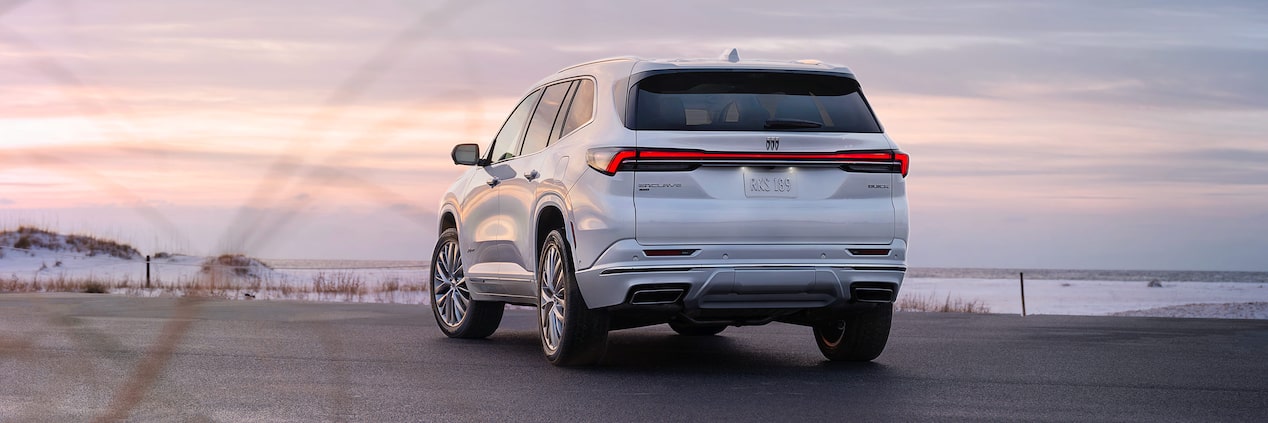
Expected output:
{"points": [[772, 143]]}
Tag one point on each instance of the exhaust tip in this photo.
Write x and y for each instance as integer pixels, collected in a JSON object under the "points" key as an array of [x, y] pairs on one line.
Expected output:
{"points": [[656, 296], [874, 292]]}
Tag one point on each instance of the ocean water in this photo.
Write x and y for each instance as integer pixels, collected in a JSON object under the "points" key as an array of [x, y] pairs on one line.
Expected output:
{"points": [[308, 264], [915, 272], [1089, 275]]}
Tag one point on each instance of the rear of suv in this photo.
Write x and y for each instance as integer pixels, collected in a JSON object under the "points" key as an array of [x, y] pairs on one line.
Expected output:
{"points": [[700, 193]]}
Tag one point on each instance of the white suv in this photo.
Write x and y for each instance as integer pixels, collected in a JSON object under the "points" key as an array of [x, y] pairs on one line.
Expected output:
{"points": [[700, 193]]}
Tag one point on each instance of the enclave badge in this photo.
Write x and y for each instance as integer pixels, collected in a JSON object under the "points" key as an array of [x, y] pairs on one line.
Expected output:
{"points": [[772, 143]]}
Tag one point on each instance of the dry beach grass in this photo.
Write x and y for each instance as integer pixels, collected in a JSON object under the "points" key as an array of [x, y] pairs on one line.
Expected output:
{"points": [[931, 303], [224, 276], [238, 276]]}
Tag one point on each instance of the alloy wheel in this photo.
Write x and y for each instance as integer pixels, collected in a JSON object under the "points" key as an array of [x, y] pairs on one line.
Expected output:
{"points": [[552, 297], [449, 285]]}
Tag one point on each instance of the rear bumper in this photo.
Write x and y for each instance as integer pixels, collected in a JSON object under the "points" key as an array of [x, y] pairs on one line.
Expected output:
{"points": [[743, 277]]}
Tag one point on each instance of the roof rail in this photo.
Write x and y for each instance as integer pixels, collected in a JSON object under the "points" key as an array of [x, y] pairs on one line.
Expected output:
{"points": [[609, 59]]}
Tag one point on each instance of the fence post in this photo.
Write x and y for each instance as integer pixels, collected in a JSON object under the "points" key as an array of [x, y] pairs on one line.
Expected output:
{"points": [[1022, 276], [147, 272]]}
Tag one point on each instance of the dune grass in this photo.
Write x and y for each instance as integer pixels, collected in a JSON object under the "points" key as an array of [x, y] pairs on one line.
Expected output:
{"points": [[224, 276], [334, 286], [60, 283], [931, 303], [29, 237]]}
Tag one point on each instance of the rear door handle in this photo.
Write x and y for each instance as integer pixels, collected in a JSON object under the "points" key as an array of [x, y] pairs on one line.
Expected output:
{"points": [[532, 175]]}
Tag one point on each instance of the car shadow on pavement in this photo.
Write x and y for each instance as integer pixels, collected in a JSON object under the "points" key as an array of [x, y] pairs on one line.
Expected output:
{"points": [[721, 353], [658, 349], [651, 350]]}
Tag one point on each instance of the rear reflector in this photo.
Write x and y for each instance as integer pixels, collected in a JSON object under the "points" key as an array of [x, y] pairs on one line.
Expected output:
{"points": [[869, 252], [668, 253]]}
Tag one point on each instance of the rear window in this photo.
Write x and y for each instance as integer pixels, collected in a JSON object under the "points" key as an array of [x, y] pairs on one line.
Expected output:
{"points": [[751, 101]]}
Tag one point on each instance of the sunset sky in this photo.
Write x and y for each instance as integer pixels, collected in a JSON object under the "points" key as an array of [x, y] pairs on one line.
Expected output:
{"points": [[1043, 134]]}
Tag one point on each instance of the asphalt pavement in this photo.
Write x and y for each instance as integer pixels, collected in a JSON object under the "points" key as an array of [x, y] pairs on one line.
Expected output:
{"points": [[84, 357]]}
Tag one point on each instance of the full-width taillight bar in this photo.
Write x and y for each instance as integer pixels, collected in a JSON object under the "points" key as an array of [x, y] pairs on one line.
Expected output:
{"points": [[610, 160]]}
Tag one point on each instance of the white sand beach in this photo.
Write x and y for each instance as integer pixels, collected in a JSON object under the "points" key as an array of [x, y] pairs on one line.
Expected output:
{"points": [[368, 281], [1237, 300]]}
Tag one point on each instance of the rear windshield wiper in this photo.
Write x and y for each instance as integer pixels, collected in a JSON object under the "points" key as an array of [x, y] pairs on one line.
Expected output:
{"points": [[791, 124]]}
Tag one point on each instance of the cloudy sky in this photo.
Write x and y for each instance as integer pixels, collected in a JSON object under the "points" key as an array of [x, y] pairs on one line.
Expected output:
{"points": [[1094, 135]]}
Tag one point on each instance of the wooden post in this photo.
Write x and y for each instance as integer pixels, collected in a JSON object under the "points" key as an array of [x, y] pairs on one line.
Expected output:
{"points": [[147, 272], [1022, 275]]}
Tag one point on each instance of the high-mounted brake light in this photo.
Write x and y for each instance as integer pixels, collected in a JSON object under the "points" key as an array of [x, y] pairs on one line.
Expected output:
{"points": [[610, 160]]}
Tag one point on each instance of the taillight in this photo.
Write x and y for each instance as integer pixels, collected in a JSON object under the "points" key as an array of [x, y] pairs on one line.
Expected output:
{"points": [[610, 160], [903, 162]]}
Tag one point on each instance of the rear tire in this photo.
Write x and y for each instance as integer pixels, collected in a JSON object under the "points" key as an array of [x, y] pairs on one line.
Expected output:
{"points": [[456, 313], [690, 329], [855, 337], [571, 333]]}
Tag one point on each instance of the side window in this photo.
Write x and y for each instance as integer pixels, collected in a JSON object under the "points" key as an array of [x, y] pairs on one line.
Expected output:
{"points": [[563, 113], [544, 118], [508, 139], [582, 108]]}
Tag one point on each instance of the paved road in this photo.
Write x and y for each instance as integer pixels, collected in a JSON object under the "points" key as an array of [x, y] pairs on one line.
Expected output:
{"points": [[79, 357]]}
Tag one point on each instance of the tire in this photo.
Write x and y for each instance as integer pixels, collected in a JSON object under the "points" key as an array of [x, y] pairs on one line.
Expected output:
{"points": [[855, 337], [689, 329], [571, 333], [456, 313]]}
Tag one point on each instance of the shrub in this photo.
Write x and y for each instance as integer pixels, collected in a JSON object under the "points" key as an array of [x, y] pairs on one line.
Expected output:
{"points": [[95, 288], [346, 283], [949, 305], [238, 264], [34, 238]]}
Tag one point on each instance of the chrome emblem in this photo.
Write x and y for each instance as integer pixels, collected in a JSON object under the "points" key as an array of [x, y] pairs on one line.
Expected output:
{"points": [[772, 143]]}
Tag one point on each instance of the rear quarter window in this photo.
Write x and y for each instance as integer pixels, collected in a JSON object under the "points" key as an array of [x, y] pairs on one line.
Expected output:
{"points": [[751, 101], [582, 108]]}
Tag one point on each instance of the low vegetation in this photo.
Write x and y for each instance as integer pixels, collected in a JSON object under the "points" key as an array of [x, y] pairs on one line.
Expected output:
{"points": [[225, 276], [346, 284], [61, 283], [31, 238], [236, 264], [931, 303], [335, 286], [94, 287]]}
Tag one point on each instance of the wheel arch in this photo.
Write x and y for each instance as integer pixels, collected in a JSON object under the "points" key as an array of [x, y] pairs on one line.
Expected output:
{"points": [[448, 218], [551, 214], [548, 219], [448, 221]]}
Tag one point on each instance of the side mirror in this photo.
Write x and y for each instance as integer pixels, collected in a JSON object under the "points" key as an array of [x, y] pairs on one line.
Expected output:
{"points": [[466, 154]]}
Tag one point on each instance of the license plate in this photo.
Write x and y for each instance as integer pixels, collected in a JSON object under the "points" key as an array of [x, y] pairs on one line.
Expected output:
{"points": [[770, 183]]}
